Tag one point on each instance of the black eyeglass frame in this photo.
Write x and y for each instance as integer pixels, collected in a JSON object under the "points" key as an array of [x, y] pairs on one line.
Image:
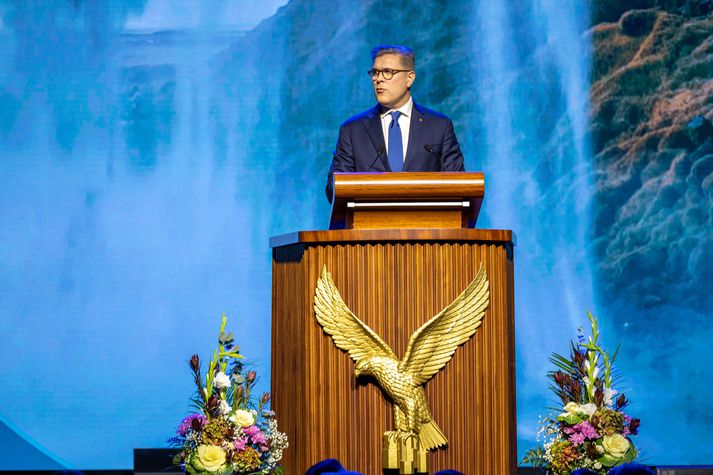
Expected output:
{"points": [[388, 73]]}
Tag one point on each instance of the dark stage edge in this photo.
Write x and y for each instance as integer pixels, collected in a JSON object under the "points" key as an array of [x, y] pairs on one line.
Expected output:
{"points": [[158, 462], [663, 470]]}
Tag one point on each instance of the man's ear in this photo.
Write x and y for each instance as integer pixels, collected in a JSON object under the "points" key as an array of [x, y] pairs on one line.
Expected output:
{"points": [[411, 79]]}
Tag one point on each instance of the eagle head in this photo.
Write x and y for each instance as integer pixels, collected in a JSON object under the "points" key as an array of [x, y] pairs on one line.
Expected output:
{"points": [[362, 367]]}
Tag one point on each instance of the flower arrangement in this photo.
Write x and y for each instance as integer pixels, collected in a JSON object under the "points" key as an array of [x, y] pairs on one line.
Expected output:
{"points": [[233, 432], [592, 431]]}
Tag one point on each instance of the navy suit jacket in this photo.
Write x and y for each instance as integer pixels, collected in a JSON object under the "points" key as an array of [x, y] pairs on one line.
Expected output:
{"points": [[361, 146]]}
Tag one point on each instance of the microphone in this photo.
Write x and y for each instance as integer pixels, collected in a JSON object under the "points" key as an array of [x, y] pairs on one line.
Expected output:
{"points": [[429, 149], [379, 151]]}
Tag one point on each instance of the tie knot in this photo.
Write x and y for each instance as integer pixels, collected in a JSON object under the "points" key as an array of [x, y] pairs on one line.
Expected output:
{"points": [[395, 117]]}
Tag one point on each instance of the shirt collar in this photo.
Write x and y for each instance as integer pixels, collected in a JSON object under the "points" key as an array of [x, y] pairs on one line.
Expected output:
{"points": [[405, 109]]}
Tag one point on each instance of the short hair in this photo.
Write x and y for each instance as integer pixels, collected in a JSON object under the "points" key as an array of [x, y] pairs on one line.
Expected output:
{"points": [[408, 57]]}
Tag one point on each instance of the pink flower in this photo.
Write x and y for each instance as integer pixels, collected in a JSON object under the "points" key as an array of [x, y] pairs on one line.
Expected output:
{"points": [[258, 439], [577, 439], [254, 434], [251, 430], [240, 444], [578, 433], [587, 430]]}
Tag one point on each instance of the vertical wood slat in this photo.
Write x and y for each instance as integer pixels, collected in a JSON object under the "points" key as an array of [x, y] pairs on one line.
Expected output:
{"points": [[394, 287]]}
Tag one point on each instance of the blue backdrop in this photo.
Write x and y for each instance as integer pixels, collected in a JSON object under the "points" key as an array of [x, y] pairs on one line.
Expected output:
{"points": [[149, 148]]}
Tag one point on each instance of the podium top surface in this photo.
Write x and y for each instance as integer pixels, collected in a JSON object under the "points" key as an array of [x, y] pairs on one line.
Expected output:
{"points": [[495, 236]]}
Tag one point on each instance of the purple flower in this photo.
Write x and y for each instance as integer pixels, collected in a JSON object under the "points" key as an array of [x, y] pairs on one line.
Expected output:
{"points": [[188, 424], [254, 434], [586, 429], [627, 421], [251, 430], [258, 439], [240, 444], [578, 433]]}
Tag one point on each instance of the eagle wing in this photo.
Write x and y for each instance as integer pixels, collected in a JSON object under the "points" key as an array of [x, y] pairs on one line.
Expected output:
{"points": [[348, 332], [433, 345]]}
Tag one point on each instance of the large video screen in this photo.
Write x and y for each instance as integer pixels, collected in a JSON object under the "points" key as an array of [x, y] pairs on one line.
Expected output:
{"points": [[150, 148]]}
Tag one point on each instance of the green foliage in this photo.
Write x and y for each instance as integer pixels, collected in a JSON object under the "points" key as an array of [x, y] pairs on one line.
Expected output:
{"points": [[630, 455], [570, 419], [608, 461], [534, 458]]}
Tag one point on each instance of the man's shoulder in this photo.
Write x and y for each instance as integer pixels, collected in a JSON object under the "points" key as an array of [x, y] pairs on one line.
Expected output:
{"points": [[361, 117], [430, 113]]}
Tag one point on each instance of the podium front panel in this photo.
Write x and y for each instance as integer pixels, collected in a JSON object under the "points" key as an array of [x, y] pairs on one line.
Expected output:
{"points": [[394, 281]]}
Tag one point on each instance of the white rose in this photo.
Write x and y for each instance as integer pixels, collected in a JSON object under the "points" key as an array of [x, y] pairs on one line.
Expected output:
{"points": [[572, 408], [242, 418], [210, 457], [223, 407], [221, 380], [615, 445]]}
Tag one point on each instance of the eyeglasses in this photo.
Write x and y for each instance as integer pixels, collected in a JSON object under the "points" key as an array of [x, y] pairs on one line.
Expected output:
{"points": [[387, 73]]}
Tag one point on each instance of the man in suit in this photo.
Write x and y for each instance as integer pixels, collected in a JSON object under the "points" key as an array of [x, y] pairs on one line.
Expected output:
{"points": [[397, 134]]}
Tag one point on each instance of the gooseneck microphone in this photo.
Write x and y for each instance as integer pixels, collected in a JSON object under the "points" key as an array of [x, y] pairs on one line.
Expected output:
{"points": [[429, 149], [378, 154]]}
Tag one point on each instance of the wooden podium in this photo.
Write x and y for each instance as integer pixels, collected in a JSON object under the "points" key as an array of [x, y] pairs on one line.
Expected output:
{"points": [[394, 280]]}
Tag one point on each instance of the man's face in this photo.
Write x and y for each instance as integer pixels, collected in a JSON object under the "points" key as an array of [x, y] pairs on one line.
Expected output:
{"points": [[392, 93]]}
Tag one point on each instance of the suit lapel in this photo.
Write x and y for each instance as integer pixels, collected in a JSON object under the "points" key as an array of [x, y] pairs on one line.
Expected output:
{"points": [[376, 135], [418, 119]]}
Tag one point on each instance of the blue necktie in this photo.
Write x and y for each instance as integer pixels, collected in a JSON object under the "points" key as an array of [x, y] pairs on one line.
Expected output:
{"points": [[396, 147]]}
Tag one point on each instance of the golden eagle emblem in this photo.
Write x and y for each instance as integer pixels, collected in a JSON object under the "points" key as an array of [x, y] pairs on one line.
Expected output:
{"points": [[429, 349]]}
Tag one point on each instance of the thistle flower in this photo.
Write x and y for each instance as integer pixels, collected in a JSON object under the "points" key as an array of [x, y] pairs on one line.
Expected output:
{"points": [[599, 396], [251, 376], [579, 359], [193, 422], [195, 363], [634, 426], [212, 406], [198, 422], [576, 390]]}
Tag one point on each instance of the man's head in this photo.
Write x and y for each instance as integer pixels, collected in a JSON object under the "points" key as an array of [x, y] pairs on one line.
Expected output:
{"points": [[392, 74]]}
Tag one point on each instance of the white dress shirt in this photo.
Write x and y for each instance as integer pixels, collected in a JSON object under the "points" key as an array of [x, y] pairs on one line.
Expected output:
{"points": [[404, 123]]}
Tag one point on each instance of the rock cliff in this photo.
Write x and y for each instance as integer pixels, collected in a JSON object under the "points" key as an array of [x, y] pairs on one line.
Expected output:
{"points": [[651, 122]]}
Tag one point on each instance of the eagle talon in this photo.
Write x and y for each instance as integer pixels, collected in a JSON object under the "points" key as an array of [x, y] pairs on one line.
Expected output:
{"points": [[410, 436]]}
